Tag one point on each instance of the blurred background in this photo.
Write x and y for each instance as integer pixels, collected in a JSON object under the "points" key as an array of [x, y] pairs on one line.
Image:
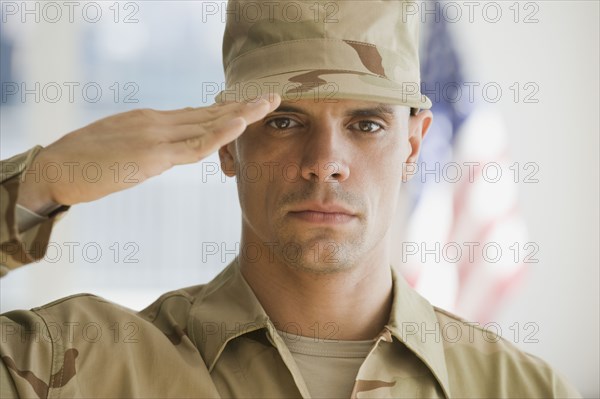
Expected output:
{"points": [[515, 92]]}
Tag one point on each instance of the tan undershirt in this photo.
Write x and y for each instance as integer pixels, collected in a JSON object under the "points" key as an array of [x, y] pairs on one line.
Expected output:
{"points": [[329, 367]]}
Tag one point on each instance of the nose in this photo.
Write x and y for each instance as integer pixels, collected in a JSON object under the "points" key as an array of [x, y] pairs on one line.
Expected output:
{"points": [[325, 156]]}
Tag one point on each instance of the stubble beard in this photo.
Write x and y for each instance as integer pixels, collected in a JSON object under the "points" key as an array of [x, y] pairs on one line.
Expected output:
{"points": [[319, 250], [323, 253]]}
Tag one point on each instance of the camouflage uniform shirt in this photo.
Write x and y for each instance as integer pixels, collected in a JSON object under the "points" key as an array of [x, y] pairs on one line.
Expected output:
{"points": [[215, 340]]}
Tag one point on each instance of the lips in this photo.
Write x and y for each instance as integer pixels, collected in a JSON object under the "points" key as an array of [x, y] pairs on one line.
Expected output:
{"points": [[323, 213], [323, 208]]}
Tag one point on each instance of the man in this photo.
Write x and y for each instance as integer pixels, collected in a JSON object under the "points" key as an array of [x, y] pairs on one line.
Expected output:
{"points": [[310, 307]]}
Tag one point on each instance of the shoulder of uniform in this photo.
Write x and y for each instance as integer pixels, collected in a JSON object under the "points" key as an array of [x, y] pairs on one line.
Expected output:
{"points": [[182, 298], [495, 364], [482, 339], [166, 314], [74, 301], [80, 311]]}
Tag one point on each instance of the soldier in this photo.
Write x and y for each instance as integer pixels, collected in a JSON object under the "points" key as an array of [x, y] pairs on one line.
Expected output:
{"points": [[338, 98]]}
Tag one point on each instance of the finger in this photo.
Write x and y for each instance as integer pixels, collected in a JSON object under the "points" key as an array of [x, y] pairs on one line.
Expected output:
{"points": [[256, 111], [192, 115], [200, 146], [250, 113], [188, 109], [178, 111], [234, 109]]}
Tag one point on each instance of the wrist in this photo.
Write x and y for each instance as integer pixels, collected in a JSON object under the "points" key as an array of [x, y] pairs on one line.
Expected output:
{"points": [[35, 195]]}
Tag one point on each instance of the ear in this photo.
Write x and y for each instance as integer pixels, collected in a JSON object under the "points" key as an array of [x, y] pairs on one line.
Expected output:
{"points": [[228, 159], [418, 125]]}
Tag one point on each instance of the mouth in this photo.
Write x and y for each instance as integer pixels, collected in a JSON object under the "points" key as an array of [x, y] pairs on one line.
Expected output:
{"points": [[323, 213]]}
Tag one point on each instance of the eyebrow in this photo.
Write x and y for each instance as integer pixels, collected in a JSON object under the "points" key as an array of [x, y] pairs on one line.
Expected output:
{"points": [[380, 110]]}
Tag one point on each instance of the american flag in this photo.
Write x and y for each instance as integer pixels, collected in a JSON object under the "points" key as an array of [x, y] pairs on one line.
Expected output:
{"points": [[455, 226]]}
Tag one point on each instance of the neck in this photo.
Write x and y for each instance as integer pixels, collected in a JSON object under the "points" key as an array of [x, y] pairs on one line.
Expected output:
{"points": [[352, 304]]}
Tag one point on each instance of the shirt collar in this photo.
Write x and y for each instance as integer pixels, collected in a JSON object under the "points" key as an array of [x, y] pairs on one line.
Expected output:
{"points": [[224, 309], [414, 323], [227, 308]]}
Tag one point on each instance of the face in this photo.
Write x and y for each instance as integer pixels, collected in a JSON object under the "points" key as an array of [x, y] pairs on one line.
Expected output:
{"points": [[318, 182]]}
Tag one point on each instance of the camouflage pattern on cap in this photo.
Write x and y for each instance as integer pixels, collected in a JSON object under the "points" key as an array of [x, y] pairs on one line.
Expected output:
{"points": [[361, 50]]}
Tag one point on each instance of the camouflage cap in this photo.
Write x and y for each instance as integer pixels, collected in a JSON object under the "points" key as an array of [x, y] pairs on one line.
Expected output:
{"points": [[361, 50]]}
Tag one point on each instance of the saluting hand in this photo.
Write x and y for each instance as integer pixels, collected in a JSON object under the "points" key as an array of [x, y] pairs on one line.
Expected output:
{"points": [[142, 143]]}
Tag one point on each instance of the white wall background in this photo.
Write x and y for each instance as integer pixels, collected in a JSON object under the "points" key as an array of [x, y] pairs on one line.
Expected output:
{"points": [[168, 219], [561, 134]]}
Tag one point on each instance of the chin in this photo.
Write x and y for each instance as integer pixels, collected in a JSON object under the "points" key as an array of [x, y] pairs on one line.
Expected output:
{"points": [[320, 268], [319, 256]]}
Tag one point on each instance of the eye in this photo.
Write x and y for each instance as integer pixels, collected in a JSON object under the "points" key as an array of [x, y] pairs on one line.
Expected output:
{"points": [[282, 123], [367, 126]]}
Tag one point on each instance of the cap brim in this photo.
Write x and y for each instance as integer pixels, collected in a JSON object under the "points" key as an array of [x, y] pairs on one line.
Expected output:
{"points": [[328, 85]]}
